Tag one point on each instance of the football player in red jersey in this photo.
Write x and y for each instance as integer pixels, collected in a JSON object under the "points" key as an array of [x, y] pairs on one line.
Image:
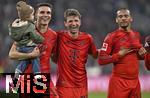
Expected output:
{"points": [[147, 56], [43, 17], [122, 47], [72, 52], [147, 61], [147, 44]]}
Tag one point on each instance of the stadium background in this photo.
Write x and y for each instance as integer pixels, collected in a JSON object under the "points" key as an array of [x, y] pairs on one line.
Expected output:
{"points": [[98, 19]]}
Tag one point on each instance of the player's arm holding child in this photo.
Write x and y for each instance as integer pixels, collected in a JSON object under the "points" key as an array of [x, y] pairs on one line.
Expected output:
{"points": [[14, 54]]}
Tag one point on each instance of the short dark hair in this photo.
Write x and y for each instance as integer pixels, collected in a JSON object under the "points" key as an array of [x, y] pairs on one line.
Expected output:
{"points": [[71, 12], [122, 9], [43, 4]]}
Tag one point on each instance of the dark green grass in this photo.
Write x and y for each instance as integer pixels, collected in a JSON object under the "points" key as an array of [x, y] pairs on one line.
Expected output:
{"points": [[91, 95], [104, 95]]}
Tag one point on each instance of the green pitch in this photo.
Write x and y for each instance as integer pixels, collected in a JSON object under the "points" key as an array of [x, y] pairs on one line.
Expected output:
{"points": [[91, 95], [104, 95]]}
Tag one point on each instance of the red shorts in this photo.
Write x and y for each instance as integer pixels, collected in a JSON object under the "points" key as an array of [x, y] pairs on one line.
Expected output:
{"points": [[72, 92], [124, 88]]}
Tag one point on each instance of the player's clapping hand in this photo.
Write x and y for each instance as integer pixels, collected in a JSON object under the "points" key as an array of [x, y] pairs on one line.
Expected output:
{"points": [[142, 51], [123, 51]]}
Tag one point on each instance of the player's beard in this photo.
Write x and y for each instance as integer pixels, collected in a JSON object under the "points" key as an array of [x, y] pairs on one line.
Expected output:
{"points": [[124, 26], [44, 21]]}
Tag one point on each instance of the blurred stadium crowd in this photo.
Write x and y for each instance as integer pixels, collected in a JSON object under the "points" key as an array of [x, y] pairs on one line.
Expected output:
{"points": [[98, 19]]}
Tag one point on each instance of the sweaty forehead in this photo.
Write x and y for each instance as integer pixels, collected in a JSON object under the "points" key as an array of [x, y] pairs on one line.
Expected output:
{"points": [[120, 12], [44, 8]]}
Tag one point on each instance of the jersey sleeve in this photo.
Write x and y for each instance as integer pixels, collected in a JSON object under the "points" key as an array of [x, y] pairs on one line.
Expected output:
{"points": [[140, 57], [55, 51], [147, 61], [93, 50], [105, 54]]}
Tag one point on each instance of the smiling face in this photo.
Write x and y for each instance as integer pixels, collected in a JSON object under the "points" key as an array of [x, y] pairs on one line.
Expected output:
{"points": [[73, 24], [123, 18], [43, 15], [72, 20]]}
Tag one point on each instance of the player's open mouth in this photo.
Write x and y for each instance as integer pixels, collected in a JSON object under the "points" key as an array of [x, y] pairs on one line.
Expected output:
{"points": [[73, 27], [45, 18]]}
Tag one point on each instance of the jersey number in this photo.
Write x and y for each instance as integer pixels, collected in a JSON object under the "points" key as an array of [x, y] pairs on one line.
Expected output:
{"points": [[104, 47]]}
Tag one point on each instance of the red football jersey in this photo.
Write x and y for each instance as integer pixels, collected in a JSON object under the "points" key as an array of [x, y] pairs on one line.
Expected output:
{"points": [[50, 38], [72, 57], [126, 66], [147, 61]]}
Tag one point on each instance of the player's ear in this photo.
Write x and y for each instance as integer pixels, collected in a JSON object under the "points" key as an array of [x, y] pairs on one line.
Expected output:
{"points": [[116, 20], [65, 23], [131, 19], [80, 22]]}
